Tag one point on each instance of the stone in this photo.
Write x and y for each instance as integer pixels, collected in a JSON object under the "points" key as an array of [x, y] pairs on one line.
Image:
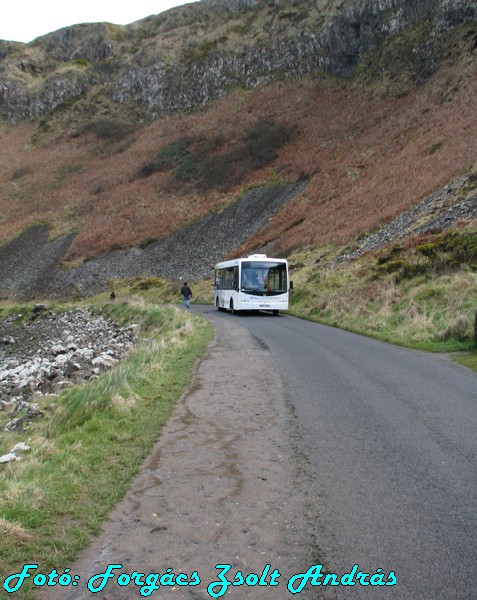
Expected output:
{"points": [[8, 457], [54, 352]]}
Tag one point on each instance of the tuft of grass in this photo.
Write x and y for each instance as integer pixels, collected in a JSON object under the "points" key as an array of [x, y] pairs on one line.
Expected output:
{"points": [[13, 533], [92, 441]]}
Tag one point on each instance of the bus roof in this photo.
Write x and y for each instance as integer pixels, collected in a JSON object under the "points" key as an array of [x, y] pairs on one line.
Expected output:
{"points": [[252, 257]]}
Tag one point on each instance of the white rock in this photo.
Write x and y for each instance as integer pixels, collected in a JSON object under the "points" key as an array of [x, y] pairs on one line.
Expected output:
{"points": [[58, 349], [20, 447], [9, 457], [104, 360], [62, 359]]}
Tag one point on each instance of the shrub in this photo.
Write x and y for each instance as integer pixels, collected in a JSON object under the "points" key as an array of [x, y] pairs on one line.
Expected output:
{"points": [[391, 266], [198, 161], [110, 130], [194, 54], [427, 249], [413, 269], [263, 140], [146, 284], [435, 253], [170, 156], [451, 249], [19, 173]]}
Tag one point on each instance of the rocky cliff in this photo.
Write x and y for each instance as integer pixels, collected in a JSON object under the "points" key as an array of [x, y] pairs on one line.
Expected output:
{"points": [[190, 55]]}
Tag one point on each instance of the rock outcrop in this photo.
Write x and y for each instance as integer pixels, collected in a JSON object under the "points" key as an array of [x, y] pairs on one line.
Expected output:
{"points": [[128, 65]]}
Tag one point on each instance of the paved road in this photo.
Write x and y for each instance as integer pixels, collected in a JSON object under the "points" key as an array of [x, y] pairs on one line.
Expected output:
{"points": [[390, 435]]}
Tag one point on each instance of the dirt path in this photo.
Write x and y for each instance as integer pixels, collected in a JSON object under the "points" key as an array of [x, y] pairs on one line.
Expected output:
{"points": [[224, 485]]}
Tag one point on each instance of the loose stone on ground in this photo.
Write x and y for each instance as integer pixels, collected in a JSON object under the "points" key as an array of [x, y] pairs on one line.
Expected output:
{"points": [[51, 351]]}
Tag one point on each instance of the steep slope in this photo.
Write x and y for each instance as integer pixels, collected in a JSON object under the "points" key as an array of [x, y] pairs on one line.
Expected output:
{"points": [[372, 102], [29, 264]]}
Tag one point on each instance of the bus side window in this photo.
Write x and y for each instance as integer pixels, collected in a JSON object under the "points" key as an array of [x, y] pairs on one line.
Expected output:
{"points": [[236, 284]]}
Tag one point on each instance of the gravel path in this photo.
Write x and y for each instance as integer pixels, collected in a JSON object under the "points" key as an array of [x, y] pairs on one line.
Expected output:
{"points": [[226, 484]]}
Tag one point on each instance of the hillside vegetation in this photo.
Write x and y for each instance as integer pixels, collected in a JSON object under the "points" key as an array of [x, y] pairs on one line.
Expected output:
{"points": [[122, 135], [367, 159]]}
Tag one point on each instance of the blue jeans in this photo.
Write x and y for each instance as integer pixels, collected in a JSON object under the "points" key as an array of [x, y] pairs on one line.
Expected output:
{"points": [[186, 301]]}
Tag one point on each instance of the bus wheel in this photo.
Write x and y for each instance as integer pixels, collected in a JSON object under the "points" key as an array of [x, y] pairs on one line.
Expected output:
{"points": [[217, 306], [232, 309], [275, 312]]}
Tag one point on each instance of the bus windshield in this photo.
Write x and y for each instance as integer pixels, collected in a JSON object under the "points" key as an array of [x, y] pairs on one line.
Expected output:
{"points": [[263, 278]]}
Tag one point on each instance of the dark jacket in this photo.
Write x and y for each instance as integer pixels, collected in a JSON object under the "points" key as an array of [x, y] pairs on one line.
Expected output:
{"points": [[186, 291]]}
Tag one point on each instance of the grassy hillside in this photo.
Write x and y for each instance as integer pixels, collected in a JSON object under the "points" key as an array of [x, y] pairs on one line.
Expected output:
{"points": [[397, 127], [419, 293], [367, 158], [371, 145]]}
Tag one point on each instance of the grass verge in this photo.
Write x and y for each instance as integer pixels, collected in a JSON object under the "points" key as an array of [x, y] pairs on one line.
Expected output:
{"points": [[424, 304], [92, 441]]}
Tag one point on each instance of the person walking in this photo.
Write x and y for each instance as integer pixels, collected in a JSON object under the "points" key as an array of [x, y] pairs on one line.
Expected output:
{"points": [[186, 294]]}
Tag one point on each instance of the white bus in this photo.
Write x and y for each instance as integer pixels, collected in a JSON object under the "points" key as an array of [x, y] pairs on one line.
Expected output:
{"points": [[253, 283]]}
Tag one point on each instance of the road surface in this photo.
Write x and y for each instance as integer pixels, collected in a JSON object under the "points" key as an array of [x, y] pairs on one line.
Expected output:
{"points": [[390, 437], [299, 445]]}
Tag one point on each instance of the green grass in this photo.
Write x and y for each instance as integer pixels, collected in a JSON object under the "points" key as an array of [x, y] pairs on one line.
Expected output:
{"points": [[92, 441], [156, 290], [468, 360], [430, 308]]}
